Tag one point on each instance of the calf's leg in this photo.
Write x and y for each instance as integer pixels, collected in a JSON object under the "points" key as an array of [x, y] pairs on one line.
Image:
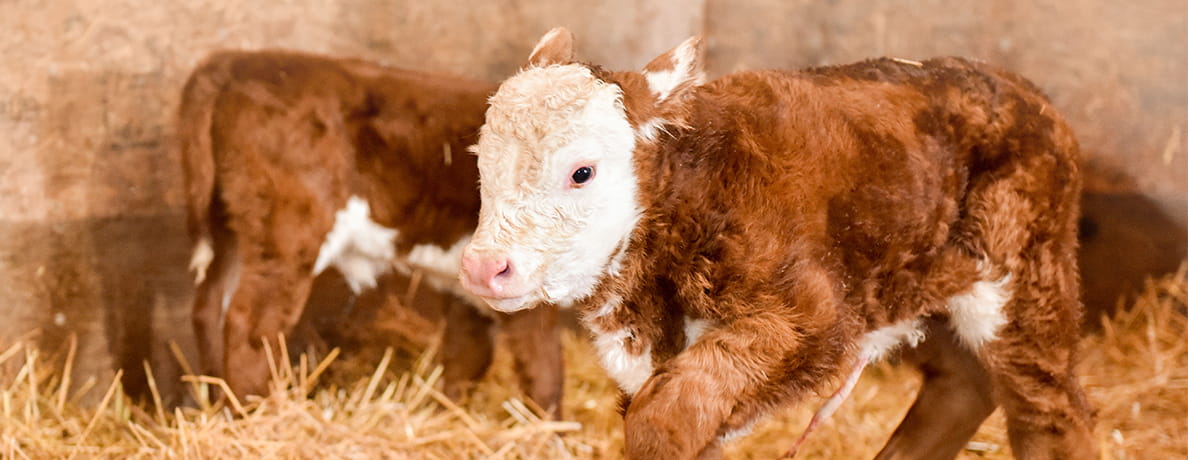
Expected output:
{"points": [[1031, 365], [953, 401], [535, 343], [466, 347], [733, 374], [268, 303], [1025, 224], [207, 315]]}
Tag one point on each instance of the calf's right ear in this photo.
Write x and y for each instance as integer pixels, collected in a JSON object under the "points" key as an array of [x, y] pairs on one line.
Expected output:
{"points": [[555, 47], [677, 70]]}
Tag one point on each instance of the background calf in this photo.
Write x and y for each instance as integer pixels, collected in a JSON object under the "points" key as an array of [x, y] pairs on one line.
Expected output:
{"points": [[297, 164]]}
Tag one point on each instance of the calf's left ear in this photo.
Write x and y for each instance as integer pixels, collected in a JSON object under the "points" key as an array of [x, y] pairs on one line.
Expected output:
{"points": [[555, 47], [677, 70]]}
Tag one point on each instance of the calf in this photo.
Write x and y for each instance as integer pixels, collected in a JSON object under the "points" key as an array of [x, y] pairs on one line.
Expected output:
{"points": [[738, 244], [296, 164]]}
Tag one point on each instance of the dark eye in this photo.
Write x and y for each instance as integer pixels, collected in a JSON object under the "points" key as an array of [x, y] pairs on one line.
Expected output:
{"points": [[582, 175]]}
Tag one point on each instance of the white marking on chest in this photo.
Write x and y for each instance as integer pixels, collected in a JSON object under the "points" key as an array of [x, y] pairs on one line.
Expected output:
{"points": [[203, 255], [977, 315], [629, 370], [357, 246], [877, 343]]}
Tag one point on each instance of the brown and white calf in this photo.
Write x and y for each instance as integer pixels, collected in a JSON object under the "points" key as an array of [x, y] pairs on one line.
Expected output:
{"points": [[296, 164], [739, 244]]}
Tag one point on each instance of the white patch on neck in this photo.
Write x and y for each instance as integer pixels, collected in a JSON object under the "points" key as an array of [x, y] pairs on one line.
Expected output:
{"points": [[977, 315], [694, 328], [877, 344], [357, 247], [629, 370], [203, 255]]}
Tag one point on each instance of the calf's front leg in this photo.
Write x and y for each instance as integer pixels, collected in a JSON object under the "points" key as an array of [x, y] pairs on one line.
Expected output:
{"points": [[734, 374], [467, 347], [535, 343]]}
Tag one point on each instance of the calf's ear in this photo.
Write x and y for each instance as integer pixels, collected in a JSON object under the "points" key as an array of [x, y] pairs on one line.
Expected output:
{"points": [[555, 47], [677, 70]]}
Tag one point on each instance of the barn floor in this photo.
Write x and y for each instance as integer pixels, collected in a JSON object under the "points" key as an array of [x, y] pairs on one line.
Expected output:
{"points": [[1136, 373]]}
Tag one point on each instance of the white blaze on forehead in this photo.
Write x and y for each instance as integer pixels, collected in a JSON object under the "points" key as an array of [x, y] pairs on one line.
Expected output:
{"points": [[541, 111], [357, 246], [542, 123]]}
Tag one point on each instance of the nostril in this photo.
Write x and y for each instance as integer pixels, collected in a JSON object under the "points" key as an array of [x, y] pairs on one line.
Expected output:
{"points": [[505, 271]]}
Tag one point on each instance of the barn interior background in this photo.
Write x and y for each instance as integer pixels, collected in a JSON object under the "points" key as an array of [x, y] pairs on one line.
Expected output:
{"points": [[92, 240]]}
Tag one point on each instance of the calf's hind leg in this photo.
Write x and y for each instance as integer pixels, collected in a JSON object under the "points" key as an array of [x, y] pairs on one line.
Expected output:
{"points": [[267, 304], [953, 401], [207, 315], [1031, 366], [1027, 230]]}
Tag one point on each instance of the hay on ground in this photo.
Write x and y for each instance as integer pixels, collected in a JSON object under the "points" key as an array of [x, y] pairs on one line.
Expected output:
{"points": [[1135, 371]]}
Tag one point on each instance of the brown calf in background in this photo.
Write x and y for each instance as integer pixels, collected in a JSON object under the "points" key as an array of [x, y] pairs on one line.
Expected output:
{"points": [[295, 164]]}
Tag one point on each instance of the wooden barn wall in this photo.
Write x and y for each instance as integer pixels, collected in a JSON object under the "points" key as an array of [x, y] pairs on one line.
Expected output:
{"points": [[1118, 71]]}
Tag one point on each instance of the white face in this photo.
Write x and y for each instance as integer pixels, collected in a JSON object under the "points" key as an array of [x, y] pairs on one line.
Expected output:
{"points": [[558, 186]]}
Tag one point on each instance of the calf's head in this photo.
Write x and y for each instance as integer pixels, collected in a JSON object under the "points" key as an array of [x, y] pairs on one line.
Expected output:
{"points": [[556, 157]]}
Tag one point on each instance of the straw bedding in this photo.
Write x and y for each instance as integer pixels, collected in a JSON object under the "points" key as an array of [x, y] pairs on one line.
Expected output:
{"points": [[1135, 370]]}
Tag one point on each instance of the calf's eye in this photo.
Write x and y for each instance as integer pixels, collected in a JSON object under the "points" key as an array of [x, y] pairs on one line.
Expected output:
{"points": [[582, 175]]}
